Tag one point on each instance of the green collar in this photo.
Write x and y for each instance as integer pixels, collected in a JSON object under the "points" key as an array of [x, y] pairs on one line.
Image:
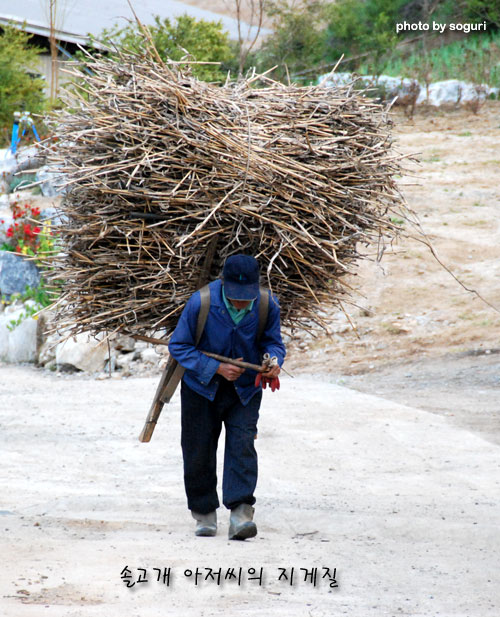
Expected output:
{"points": [[236, 315]]}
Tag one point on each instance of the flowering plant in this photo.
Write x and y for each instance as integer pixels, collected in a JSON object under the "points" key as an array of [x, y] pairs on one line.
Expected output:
{"points": [[28, 235], [22, 233]]}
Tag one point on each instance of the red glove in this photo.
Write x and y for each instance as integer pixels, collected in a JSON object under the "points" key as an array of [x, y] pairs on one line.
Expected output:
{"points": [[274, 382]]}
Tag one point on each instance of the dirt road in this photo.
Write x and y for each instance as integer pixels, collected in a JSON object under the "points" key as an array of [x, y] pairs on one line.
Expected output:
{"points": [[402, 503]]}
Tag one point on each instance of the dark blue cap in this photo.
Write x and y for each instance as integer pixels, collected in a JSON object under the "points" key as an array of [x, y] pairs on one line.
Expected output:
{"points": [[241, 277]]}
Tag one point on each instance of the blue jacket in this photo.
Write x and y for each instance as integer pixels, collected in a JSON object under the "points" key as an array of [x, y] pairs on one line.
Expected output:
{"points": [[222, 336]]}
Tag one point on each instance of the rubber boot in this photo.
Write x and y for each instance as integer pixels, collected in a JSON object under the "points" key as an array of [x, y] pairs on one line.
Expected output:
{"points": [[206, 524], [241, 525]]}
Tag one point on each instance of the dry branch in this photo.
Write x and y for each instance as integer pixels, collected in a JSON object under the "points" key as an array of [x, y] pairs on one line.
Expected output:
{"points": [[162, 169]]}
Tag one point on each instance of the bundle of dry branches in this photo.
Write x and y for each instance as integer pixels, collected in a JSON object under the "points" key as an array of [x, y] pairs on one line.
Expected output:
{"points": [[167, 176]]}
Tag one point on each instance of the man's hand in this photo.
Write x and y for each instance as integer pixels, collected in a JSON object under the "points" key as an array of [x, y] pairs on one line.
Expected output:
{"points": [[265, 379], [273, 372], [273, 368], [229, 371], [270, 375]]}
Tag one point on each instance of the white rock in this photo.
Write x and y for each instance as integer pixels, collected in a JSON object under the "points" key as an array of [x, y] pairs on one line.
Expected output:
{"points": [[335, 79], [110, 363], [8, 164], [390, 83], [124, 343], [19, 344], [124, 360], [450, 91], [454, 91], [149, 355], [15, 307], [4, 337], [48, 181], [47, 353], [83, 352], [28, 158], [22, 342], [394, 83]]}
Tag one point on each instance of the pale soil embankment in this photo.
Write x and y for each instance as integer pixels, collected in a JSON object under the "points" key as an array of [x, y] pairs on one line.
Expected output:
{"points": [[423, 339]]}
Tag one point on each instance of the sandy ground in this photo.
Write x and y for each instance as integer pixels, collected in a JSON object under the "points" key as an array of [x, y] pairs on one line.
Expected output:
{"points": [[393, 480], [402, 503], [411, 306], [421, 339]]}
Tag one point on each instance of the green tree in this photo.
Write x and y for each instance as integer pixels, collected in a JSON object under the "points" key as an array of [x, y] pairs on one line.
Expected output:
{"points": [[204, 41], [297, 41], [19, 89], [363, 30], [483, 10]]}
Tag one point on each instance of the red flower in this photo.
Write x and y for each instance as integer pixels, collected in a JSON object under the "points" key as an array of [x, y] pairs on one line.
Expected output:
{"points": [[10, 232], [18, 249], [36, 230], [27, 229], [35, 211]]}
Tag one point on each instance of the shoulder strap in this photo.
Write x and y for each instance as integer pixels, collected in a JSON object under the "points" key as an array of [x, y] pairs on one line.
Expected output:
{"points": [[174, 371], [263, 311], [203, 314]]}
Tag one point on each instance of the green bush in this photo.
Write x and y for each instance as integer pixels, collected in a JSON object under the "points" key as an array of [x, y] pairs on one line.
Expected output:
{"points": [[204, 41], [483, 10], [19, 90], [297, 41], [364, 30]]}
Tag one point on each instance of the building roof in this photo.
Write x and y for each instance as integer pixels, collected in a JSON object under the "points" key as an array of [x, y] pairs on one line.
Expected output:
{"points": [[75, 19]]}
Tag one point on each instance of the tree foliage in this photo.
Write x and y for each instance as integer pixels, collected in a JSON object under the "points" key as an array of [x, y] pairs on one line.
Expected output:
{"points": [[363, 29], [203, 41], [297, 41], [20, 90], [487, 10], [317, 32]]}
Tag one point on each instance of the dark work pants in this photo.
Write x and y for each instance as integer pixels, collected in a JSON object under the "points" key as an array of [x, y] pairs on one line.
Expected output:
{"points": [[201, 426]]}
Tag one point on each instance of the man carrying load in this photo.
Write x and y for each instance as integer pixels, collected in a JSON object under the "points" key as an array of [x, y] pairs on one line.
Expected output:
{"points": [[243, 322]]}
